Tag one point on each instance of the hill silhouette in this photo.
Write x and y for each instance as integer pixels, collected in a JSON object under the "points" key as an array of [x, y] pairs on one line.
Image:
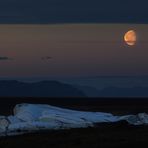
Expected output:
{"points": [[13, 88], [114, 91], [124, 92]]}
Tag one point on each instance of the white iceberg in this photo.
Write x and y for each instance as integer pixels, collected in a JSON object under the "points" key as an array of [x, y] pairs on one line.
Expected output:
{"points": [[35, 117]]}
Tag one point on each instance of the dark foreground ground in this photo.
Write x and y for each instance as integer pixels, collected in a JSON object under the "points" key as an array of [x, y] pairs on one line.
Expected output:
{"points": [[103, 135]]}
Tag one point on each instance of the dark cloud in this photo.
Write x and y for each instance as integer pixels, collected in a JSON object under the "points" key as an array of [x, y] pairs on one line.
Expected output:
{"points": [[5, 58], [66, 11], [46, 58]]}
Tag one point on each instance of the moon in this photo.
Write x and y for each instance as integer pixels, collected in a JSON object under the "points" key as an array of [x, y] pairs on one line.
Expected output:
{"points": [[130, 38]]}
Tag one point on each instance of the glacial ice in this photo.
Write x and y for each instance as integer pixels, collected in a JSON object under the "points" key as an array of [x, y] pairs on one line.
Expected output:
{"points": [[35, 117]]}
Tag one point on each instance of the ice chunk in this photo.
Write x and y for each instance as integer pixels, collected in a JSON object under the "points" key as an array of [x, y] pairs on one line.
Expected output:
{"points": [[34, 117]]}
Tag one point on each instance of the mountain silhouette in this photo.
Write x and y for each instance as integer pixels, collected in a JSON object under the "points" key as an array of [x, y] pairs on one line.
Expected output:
{"points": [[88, 90], [114, 91], [124, 92], [13, 88]]}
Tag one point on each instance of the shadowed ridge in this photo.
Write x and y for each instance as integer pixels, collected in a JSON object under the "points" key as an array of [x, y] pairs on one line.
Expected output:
{"points": [[13, 88]]}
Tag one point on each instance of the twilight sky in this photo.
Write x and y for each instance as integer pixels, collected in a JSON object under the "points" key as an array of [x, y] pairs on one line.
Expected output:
{"points": [[62, 38], [61, 11], [72, 50]]}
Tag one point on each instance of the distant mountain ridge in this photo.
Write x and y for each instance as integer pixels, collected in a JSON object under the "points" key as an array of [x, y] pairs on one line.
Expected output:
{"points": [[13, 88], [124, 92], [115, 91]]}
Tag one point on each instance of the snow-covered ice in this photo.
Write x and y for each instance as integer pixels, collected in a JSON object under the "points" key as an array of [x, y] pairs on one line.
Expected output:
{"points": [[35, 117]]}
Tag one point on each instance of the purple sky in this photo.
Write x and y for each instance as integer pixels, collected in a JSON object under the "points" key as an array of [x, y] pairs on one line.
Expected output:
{"points": [[72, 50]]}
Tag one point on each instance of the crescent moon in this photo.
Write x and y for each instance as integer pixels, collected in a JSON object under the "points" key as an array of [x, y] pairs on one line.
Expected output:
{"points": [[130, 38]]}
